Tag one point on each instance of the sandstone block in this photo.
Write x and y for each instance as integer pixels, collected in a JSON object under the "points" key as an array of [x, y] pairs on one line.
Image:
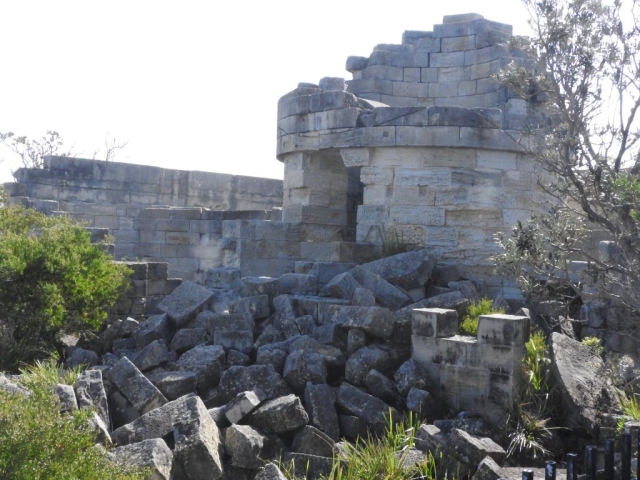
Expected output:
{"points": [[142, 394], [174, 385], [282, 414], [206, 361], [410, 375], [301, 367], [243, 404], [245, 445], [157, 327], [67, 398], [185, 302], [153, 453], [239, 379], [320, 405], [341, 286], [154, 355], [90, 393]]}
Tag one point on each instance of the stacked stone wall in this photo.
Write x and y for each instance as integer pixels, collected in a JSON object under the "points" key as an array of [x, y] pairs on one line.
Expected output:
{"points": [[479, 375]]}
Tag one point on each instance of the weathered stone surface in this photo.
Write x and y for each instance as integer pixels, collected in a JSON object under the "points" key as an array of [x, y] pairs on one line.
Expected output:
{"points": [[407, 270], [363, 298], [451, 301], [188, 338], [153, 453], [470, 450], [269, 335], [224, 278], [282, 414], [240, 340], [236, 358], [429, 438], [341, 286], [206, 361], [382, 387], [320, 403], [298, 283], [421, 402], [197, 441], [256, 306], [244, 445], [364, 360], [154, 355], [356, 339], [90, 393], [331, 334], [157, 327], [174, 385], [585, 392], [243, 404], [77, 356], [303, 366], [312, 441], [410, 375], [375, 321], [353, 427], [142, 394], [67, 398], [222, 301], [270, 472], [240, 379], [100, 429], [488, 469], [386, 294], [333, 356], [365, 406], [274, 354], [185, 302]]}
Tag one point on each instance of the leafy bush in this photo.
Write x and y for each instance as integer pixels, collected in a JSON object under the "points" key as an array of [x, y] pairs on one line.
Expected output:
{"points": [[469, 324], [40, 443], [52, 280], [594, 344]]}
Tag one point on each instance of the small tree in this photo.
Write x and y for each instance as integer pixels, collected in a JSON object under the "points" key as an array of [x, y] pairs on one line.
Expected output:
{"points": [[588, 77], [52, 280], [32, 152]]}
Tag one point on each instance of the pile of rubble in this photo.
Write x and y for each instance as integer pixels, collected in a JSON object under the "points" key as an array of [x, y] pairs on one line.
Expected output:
{"points": [[248, 370]]}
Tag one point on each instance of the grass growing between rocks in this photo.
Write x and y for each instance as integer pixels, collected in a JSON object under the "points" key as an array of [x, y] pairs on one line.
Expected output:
{"points": [[384, 458], [37, 442], [469, 323], [531, 416]]}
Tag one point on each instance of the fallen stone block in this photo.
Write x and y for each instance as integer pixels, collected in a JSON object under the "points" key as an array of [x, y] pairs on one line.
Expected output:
{"points": [[331, 334], [67, 398], [245, 445], [470, 450], [312, 441], [382, 387], [333, 356], [359, 364], [274, 354], [407, 270], [99, 429], [363, 298], [489, 470], [429, 438], [375, 321], [270, 472], [280, 415], [185, 302], [341, 286], [154, 355], [206, 361], [90, 393], [77, 356], [269, 335], [153, 453], [252, 286], [356, 339], [320, 403], [301, 367], [256, 306], [367, 407], [410, 375], [187, 338], [353, 427], [142, 394], [157, 327], [174, 385], [236, 358], [583, 390], [197, 441], [422, 403], [243, 404], [240, 340], [239, 379], [223, 301], [386, 294], [121, 410]]}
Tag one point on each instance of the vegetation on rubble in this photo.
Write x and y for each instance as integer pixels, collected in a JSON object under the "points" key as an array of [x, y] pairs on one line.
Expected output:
{"points": [[40, 443], [537, 406], [383, 458], [588, 159], [594, 344], [469, 323], [52, 281]]}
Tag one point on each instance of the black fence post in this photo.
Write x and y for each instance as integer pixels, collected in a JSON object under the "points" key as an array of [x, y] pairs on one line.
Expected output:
{"points": [[571, 466], [609, 452], [590, 462], [626, 457], [527, 474], [550, 470]]}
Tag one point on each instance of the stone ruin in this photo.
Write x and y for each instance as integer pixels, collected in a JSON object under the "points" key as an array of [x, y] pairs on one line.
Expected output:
{"points": [[264, 296]]}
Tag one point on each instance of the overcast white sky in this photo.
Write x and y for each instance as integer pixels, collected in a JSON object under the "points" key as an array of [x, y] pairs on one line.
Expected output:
{"points": [[191, 85]]}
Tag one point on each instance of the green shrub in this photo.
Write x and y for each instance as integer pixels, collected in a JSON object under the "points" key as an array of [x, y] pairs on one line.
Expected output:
{"points": [[52, 280], [469, 324], [594, 344], [40, 443]]}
